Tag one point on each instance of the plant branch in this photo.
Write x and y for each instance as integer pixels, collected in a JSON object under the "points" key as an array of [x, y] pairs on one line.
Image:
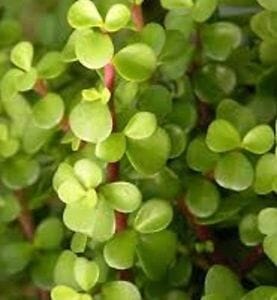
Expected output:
{"points": [[41, 87], [137, 17], [251, 259]]}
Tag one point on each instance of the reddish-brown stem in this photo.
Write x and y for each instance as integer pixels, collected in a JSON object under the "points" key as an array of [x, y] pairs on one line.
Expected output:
{"points": [[251, 260], [27, 226], [41, 87], [137, 17], [203, 233]]}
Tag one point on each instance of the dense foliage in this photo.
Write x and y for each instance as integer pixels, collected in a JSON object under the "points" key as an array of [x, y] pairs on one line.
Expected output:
{"points": [[138, 149]]}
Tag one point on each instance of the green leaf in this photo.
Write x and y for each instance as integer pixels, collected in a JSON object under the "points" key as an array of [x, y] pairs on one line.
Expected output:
{"points": [[111, 149], [49, 234], [155, 99], [266, 171], [267, 221], [153, 35], [119, 252], [141, 155], [268, 4], [117, 17], [220, 39], [267, 52], [122, 290], [94, 49], [141, 126], [64, 270], [122, 196], [88, 173], [203, 9], [261, 292], [71, 190], [15, 256], [234, 172], [86, 273], [27, 80], [20, 172], [68, 53], [270, 247], [259, 140], [241, 117], [174, 4], [91, 121], [83, 217], [220, 280], [62, 292], [78, 242], [249, 232], [222, 136], [161, 245], [51, 65], [10, 31], [9, 208], [199, 157], [135, 62], [202, 198], [84, 14], [154, 215], [180, 274], [64, 172], [22, 55], [49, 111], [178, 140]]}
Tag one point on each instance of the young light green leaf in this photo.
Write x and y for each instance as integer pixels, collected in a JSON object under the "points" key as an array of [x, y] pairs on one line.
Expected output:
{"points": [[268, 4], [117, 17], [86, 273], [220, 280], [22, 55], [259, 140], [122, 290], [88, 173], [202, 198], [91, 121], [222, 136], [26, 81], [71, 190], [203, 9], [248, 231], [154, 215], [142, 125], [175, 4], [267, 221], [49, 111], [111, 149], [119, 252], [84, 14], [49, 234], [122, 196], [62, 292], [93, 49], [178, 140], [234, 171], [135, 62], [270, 247], [78, 242], [141, 155], [9, 208], [64, 172], [261, 292]]}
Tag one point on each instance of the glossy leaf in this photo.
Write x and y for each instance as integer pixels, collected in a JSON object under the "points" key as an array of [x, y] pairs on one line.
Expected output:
{"points": [[154, 215], [117, 17], [141, 126], [50, 65], [93, 49], [62, 292], [234, 172], [270, 246], [259, 140], [267, 221], [178, 140], [203, 9], [119, 252], [222, 136], [123, 290], [22, 55], [174, 4], [49, 111], [122, 196], [135, 62], [268, 4], [249, 232], [84, 14], [91, 121]]}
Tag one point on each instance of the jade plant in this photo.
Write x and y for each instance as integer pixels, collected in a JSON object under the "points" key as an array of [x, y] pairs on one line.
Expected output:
{"points": [[138, 150]]}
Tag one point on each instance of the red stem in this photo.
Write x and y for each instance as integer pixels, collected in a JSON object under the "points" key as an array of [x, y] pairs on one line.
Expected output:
{"points": [[137, 17], [41, 87], [251, 260]]}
